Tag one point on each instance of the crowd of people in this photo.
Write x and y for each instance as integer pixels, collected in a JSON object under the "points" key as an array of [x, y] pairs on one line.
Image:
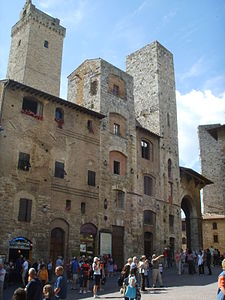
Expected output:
{"points": [[45, 280]]}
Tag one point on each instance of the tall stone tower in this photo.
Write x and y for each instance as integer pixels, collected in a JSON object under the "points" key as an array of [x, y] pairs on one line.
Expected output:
{"points": [[212, 161], [155, 107], [36, 50]]}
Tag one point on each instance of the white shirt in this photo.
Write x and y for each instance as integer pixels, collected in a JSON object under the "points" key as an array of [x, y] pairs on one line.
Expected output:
{"points": [[25, 265], [2, 274]]}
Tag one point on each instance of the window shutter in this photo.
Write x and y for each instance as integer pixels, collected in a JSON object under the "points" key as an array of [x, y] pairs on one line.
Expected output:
{"points": [[22, 210], [29, 207]]}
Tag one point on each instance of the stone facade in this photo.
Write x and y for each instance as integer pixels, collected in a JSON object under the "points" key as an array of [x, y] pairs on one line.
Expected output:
{"points": [[36, 50], [97, 173]]}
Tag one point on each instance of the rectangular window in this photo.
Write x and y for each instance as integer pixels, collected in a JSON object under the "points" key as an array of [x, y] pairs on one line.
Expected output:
{"points": [[116, 167], [115, 90], [24, 161], [91, 178], [59, 170], [148, 185], [25, 210], [214, 225], [120, 199], [93, 89], [90, 126], [215, 238], [116, 129], [171, 222], [68, 204], [83, 208], [145, 150]]}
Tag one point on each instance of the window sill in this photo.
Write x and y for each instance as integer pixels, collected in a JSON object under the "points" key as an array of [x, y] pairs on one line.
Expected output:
{"points": [[30, 113]]}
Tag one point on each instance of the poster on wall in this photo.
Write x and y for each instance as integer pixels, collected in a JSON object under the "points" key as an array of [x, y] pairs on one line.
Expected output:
{"points": [[105, 243], [83, 248]]}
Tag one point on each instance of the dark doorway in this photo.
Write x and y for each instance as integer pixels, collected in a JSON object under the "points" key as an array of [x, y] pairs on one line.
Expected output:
{"points": [[20, 246], [186, 207], [148, 244], [118, 245], [57, 243]]}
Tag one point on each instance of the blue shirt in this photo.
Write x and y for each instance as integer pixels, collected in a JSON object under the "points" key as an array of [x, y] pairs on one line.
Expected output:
{"points": [[62, 285]]}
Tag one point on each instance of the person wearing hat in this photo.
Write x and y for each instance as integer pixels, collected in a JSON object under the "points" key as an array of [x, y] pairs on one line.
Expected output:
{"points": [[155, 270], [143, 271]]}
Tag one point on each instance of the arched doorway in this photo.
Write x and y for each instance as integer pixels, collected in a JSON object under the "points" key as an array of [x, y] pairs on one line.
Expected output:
{"points": [[20, 246], [192, 223], [57, 243], [148, 244], [88, 234]]}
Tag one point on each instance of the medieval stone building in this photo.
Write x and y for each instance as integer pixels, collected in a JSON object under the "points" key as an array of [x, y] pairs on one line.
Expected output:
{"points": [[97, 173], [212, 158]]}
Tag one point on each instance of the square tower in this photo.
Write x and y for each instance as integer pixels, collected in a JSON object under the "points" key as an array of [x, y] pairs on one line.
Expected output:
{"points": [[36, 50]]}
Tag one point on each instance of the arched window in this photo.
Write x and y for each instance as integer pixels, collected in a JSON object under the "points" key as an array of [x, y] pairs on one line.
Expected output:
{"points": [[59, 116], [214, 225]]}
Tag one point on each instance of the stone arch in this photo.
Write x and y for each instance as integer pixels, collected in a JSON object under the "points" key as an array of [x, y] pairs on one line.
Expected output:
{"points": [[59, 231], [88, 239], [193, 222]]}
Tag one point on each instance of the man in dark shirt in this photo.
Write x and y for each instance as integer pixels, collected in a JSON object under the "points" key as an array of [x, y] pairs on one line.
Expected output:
{"points": [[60, 288], [34, 287]]}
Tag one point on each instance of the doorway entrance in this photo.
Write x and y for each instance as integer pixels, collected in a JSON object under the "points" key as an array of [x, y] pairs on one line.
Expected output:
{"points": [[148, 244], [57, 243], [20, 246]]}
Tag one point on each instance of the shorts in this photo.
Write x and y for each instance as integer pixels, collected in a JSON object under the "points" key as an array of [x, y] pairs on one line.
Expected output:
{"points": [[97, 279], [75, 277]]}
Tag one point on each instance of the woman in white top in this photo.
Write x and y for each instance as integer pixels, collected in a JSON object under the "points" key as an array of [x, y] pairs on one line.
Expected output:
{"points": [[96, 266], [201, 262]]}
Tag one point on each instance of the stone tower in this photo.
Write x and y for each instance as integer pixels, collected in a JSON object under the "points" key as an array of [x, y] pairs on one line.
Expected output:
{"points": [[36, 50], [155, 107], [212, 161]]}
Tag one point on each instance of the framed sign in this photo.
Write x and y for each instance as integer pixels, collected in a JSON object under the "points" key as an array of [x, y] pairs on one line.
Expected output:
{"points": [[83, 248], [105, 243]]}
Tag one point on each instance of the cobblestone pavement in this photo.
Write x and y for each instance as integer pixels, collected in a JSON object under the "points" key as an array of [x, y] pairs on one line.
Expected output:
{"points": [[183, 287]]}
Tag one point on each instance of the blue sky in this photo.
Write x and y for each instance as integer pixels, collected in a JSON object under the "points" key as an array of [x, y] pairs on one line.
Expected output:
{"points": [[194, 31]]}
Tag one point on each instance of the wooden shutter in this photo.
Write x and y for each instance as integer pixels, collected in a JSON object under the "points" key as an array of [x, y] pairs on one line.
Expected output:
{"points": [[22, 210], [29, 207]]}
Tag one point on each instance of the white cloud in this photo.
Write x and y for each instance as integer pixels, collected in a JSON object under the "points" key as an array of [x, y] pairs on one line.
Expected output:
{"points": [[193, 109]]}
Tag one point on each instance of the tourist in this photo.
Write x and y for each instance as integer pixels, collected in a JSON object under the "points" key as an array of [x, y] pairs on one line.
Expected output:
{"points": [[60, 288], [155, 270], [131, 288], [178, 262], [19, 294], [34, 287], [48, 292], [208, 261], [50, 266], [25, 268], [43, 274], [143, 271], [2, 279], [110, 266], [201, 263], [74, 270], [221, 283], [97, 274]]}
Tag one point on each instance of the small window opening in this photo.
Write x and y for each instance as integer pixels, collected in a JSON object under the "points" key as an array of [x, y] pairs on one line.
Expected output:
{"points": [[59, 170], [215, 238], [116, 129], [19, 43], [46, 44], [91, 178], [115, 90], [59, 117], [24, 161], [145, 149], [120, 199], [93, 89], [68, 204], [116, 167], [214, 225], [90, 126], [83, 207], [168, 119], [148, 186]]}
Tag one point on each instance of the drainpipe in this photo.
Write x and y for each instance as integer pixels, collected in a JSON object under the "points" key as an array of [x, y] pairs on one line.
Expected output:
{"points": [[2, 102]]}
